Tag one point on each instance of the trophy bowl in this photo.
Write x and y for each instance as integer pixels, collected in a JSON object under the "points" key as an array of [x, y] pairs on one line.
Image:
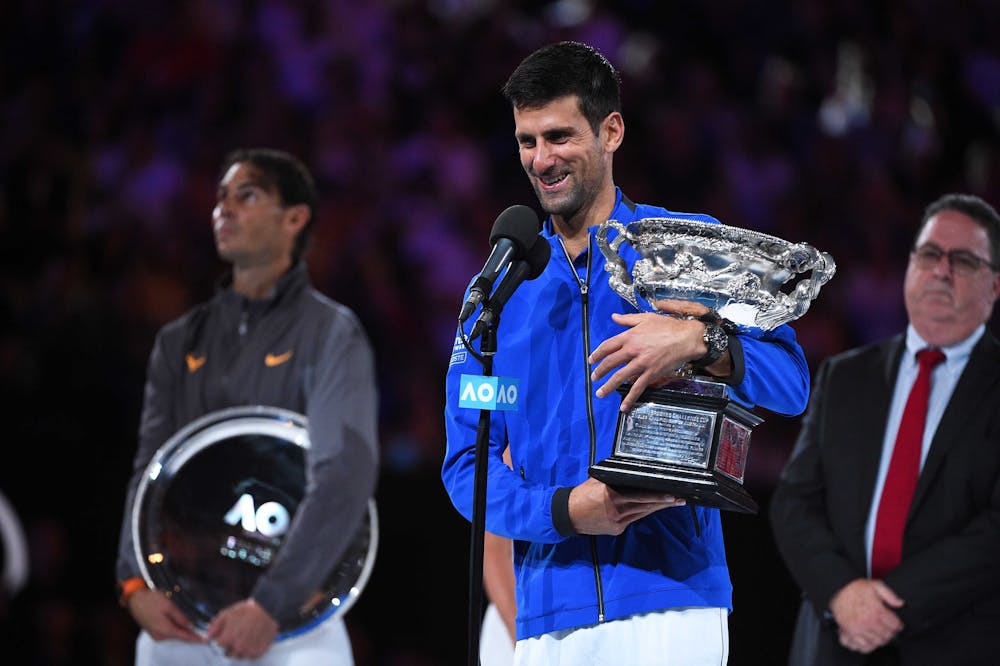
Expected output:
{"points": [[687, 437], [737, 273], [213, 506]]}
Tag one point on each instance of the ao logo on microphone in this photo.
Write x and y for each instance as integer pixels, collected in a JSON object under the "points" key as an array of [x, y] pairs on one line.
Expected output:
{"points": [[271, 519], [490, 393]]}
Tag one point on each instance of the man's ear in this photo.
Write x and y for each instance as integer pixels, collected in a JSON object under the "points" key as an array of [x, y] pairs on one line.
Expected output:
{"points": [[296, 217], [612, 131]]}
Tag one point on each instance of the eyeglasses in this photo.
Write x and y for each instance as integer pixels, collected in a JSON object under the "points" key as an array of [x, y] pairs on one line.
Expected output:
{"points": [[962, 262]]}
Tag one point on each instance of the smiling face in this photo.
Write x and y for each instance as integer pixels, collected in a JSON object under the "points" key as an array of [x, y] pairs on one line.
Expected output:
{"points": [[568, 165], [945, 306], [251, 225]]}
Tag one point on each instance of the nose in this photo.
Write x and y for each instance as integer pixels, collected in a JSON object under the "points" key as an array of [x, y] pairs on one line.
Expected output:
{"points": [[541, 158], [943, 267], [223, 207]]}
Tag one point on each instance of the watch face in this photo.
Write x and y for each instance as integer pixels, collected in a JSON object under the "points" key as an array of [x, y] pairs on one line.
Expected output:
{"points": [[213, 509], [716, 339]]}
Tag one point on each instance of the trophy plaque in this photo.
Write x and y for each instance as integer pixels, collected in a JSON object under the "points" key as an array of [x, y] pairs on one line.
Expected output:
{"points": [[213, 506], [687, 437]]}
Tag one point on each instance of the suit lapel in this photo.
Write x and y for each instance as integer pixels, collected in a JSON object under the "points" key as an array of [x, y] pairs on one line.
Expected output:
{"points": [[980, 372]]}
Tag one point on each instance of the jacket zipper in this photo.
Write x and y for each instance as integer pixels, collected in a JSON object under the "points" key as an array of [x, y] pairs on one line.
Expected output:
{"points": [[585, 302]]}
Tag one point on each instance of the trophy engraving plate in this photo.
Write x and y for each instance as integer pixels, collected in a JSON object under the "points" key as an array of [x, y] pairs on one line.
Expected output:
{"points": [[688, 438], [670, 434]]}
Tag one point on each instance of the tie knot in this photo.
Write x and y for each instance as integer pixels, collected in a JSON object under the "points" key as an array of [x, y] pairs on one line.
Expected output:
{"points": [[929, 357]]}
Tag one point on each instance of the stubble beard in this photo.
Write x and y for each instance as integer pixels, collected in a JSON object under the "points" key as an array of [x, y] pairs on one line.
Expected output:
{"points": [[565, 205]]}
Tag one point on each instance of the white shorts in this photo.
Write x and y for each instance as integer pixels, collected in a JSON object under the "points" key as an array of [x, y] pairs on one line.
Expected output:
{"points": [[495, 646], [327, 644], [678, 637]]}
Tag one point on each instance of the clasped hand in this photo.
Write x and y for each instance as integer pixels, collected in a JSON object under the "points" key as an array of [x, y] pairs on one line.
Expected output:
{"points": [[243, 630], [864, 611]]}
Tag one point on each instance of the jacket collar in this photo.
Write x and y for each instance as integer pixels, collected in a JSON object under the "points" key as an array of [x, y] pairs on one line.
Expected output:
{"points": [[293, 281], [621, 201]]}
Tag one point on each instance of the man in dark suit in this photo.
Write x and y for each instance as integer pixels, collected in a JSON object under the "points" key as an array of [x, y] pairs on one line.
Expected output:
{"points": [[895, 571]]}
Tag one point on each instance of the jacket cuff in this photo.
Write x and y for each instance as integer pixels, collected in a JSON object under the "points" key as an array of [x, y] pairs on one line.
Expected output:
{"points": [[270, 600], [735, 377], [560, 513], [128, 587]]}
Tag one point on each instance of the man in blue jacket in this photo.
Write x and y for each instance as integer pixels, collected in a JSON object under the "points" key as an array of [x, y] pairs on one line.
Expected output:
{"points": [[601, 576]]}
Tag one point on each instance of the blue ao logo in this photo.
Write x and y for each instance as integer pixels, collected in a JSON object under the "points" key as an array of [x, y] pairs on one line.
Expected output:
{"points": [[492, 393]]}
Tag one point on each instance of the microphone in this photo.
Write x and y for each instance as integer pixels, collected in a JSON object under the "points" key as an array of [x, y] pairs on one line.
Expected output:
{"points": [[520, 270], [513, 233]]}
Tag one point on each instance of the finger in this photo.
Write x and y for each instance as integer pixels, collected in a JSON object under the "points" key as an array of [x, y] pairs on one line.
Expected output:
{"points": [[684, 308], [622, 376], [609, 346], [626, 518], [181, 627], [617, 358], [852, 642], [215, 627], [638, 386], [256, 651], [628, 319], [636, 511], [640, 497], [886, 594], [188, 634]]}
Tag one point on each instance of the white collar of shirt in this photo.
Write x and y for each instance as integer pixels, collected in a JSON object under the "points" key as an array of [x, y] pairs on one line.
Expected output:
{"points": [[956, 354]]}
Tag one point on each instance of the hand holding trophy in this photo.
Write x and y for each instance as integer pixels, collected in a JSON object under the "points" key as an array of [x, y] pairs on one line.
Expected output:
{"points": [[686, 437]]}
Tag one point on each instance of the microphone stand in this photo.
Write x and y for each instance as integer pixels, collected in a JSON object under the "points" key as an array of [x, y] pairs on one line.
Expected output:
{"points": [[487, 347]]}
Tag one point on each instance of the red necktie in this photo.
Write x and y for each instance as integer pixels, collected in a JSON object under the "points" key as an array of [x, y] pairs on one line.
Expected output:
{"points": [[904, 467]]}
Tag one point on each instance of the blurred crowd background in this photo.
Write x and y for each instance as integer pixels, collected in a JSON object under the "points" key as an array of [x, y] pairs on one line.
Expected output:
{"points": [[826, 121]]}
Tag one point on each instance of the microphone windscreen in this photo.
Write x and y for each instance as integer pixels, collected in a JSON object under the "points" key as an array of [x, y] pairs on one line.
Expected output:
{"points": [[519, 224]]}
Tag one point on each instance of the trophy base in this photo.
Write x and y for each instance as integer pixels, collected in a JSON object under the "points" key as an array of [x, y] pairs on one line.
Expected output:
{"points": [[698, 487], [687, 439]]}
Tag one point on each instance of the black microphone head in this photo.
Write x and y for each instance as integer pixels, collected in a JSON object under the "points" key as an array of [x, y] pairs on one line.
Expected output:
{"points": [[538, 257], [519, 224]]}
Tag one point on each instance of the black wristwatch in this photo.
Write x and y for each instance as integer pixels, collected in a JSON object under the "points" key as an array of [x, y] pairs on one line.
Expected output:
{"points": [[717, 340]]}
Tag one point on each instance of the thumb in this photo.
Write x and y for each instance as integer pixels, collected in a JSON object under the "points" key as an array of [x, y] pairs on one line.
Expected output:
{"points": [[215, 626], [626, 319], [887, 596]]}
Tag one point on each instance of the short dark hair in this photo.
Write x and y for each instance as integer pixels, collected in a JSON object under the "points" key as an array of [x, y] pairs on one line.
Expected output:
{"points": [[976, 208], [566, 68], [286, 175]]}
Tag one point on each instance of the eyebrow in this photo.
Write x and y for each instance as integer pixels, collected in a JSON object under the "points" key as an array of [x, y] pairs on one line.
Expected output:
{"points": [[931, 244], [552, 133], [245, 185]]}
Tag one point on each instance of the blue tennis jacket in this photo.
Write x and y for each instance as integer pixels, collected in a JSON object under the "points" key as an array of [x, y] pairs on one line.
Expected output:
{"points": [[547, 330]]}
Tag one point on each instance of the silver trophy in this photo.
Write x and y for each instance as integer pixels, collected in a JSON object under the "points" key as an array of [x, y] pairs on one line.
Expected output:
{"points": [[687, 437], [212, 509]]}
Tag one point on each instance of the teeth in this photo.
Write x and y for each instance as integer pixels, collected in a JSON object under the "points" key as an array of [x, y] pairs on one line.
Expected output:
{"points": [[553, 181]]}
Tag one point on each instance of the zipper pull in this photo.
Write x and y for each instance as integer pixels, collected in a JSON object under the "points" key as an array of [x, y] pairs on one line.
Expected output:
{"points": [[244, 317]]}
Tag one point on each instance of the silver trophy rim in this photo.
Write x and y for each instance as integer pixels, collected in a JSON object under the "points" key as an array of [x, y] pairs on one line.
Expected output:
{"points": [[194, 437], [793, 258], [715, 230]]}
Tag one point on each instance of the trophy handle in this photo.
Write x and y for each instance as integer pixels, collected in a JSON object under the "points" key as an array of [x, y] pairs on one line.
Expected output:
{"points": [[620, 279], [801, 258]]}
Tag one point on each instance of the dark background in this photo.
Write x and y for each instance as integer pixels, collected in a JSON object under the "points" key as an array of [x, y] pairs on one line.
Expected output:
{"points": [[832, 123]]}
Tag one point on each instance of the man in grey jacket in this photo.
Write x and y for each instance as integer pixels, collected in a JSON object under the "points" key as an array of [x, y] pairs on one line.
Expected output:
{"points": [[266, 338]]}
